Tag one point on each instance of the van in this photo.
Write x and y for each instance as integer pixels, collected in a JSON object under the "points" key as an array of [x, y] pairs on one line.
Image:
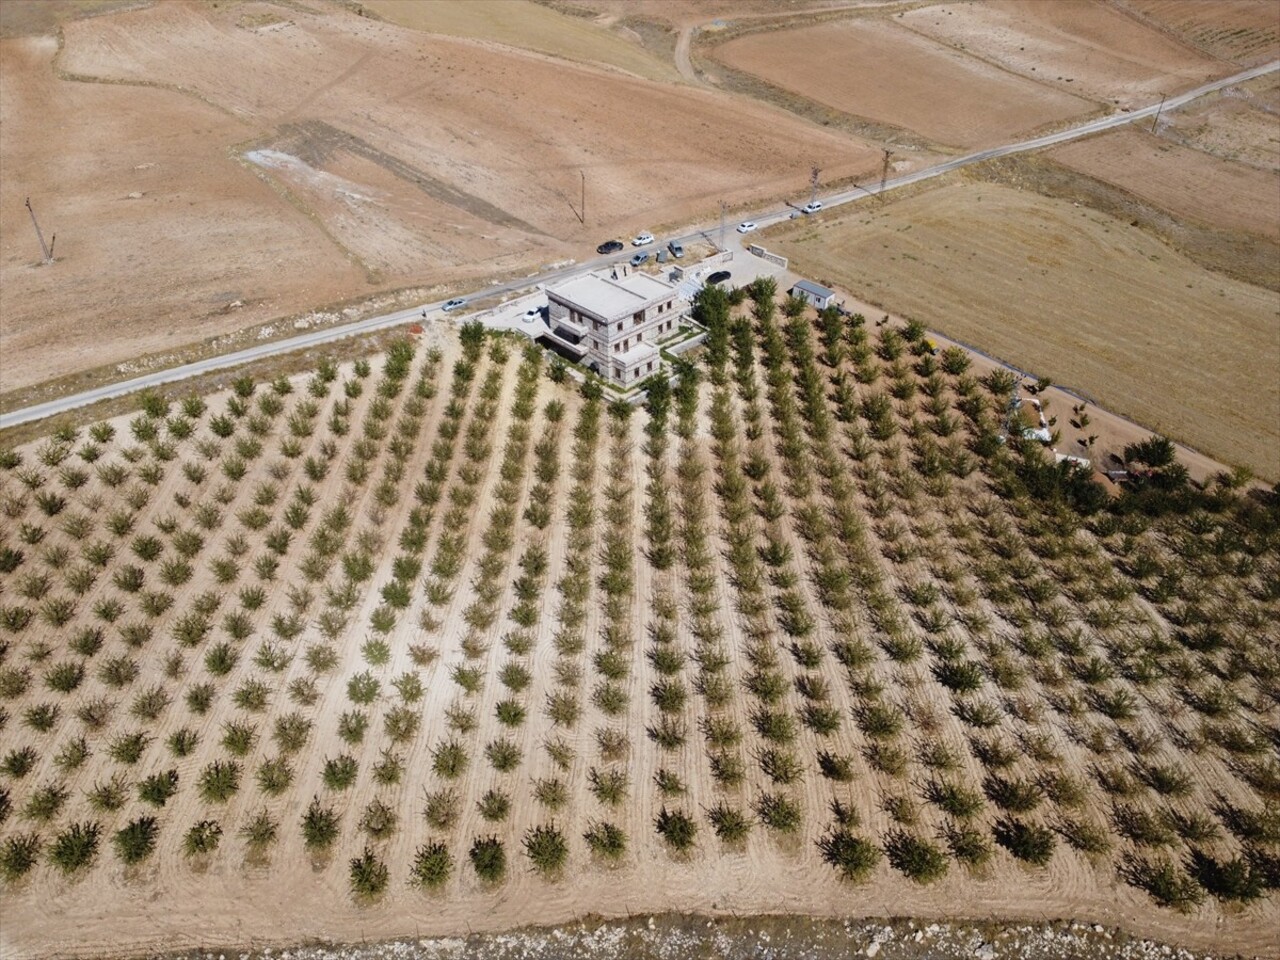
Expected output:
{"points": [[676, 249]]}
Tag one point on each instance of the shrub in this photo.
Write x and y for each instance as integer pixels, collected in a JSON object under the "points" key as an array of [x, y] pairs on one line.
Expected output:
{"points": [[203, 837], [368, 874], [494, 806], [158, 788], [432, 864], [18, 854], [219, 781], [363, 688], [1235, 879], [319, 826], [1162, 880], [45, 803], [340, 772], [677, 828], [450, 759], [918, 859], [1026, 841], [848, 853], [546, 848], [136, 840], [730, 824], [76, 847], [259, 832], [489, 859]]}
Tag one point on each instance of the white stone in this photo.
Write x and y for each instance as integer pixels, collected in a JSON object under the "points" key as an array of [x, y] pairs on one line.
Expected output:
{"points": [[873, 949], [985, 952]]}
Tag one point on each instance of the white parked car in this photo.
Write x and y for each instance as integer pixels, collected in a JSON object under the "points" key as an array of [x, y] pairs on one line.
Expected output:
{"points": [[746, 226], [532, 314], [643, 240], [813, 207]]}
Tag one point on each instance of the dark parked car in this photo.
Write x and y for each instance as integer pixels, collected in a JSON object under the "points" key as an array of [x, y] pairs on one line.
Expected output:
{"points": [[612, 246], [720, 276]]}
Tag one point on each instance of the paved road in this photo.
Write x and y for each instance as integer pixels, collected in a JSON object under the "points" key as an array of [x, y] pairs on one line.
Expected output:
{"points": [[316, 337]]}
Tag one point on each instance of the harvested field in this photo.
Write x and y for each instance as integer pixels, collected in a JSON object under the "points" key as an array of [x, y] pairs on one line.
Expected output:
{"points": [[1079, 46], [1241, 31], [533, 26], [1069, 293], [877, 70], [410, 160], [1186, 182], [439, 644]]}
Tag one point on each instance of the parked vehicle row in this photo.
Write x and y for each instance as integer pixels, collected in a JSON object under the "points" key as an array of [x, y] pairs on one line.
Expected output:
{"points": [[674, 247]]}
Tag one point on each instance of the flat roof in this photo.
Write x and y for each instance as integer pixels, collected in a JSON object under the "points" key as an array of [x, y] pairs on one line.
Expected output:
{"points": [[813, 289], [609, 298]]}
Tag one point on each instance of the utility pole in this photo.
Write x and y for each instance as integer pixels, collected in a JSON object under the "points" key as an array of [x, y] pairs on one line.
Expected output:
{"points": [[584, 196], [46, 249], [722, 246], [884, 173], [1156, 121]]}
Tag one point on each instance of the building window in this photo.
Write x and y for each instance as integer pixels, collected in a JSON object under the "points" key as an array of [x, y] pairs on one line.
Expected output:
{"points": [[638, 318], [649, 369], [619, 326]]}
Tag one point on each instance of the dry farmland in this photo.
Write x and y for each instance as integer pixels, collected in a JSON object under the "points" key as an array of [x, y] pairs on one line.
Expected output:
{"points": [[439, 642], [1187, 182], [1070, 293], [1242, 31], [878, 70]]}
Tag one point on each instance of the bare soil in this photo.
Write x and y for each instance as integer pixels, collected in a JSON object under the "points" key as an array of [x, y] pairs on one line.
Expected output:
{"points": [[1078, 46], [876, 69], [1067, 292], [162, 237]]}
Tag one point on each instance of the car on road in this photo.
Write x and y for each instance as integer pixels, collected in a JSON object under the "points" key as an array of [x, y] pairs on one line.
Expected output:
{"points": [[813, 206], [532, 314], [609, 246], [676, 248], [639, 258], [747, 226], [720, 276], [643, 240], [453, 304]]}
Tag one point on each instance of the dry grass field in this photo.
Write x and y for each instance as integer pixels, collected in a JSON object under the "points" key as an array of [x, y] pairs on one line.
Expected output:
{"points": [[1187, 182], [1079, 46], [876, 69], [1069, 293], [436, 643], [532, 26], [1240, 125], [417, 160]]}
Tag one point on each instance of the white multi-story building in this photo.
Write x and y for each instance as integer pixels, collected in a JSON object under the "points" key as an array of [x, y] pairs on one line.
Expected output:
{"points": [[613, 321]]}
